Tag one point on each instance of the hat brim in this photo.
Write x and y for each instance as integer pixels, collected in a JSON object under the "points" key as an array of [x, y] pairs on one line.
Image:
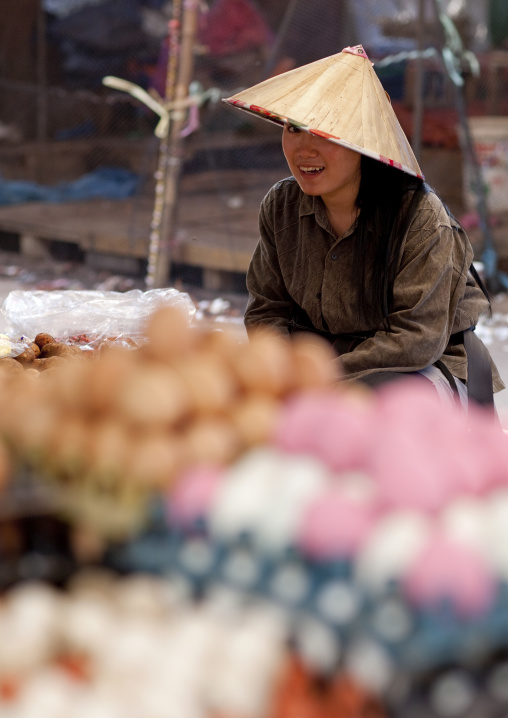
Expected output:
{"points": [[281, 121]]}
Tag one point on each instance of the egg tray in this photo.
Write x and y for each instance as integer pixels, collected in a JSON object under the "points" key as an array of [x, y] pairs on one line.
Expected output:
{"points": [[417, 649], [411, 640]]}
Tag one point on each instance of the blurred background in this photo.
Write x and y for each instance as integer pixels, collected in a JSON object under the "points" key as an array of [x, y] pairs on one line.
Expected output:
{"points": [[79, 161]]}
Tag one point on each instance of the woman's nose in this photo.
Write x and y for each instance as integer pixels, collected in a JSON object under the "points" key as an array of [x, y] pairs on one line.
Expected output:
{"points": [[306, 142]]}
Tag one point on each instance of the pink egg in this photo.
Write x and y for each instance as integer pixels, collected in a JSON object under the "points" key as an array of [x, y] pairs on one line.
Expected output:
{"points": [[334, 526], [487, 450], [419, 450], [334, 428], [449, 571], [412, 404], [301, 420], [193, 494], [344, 439], [411, 473]]}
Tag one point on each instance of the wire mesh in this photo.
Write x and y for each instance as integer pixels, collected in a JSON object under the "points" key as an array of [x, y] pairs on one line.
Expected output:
{"points": [[59, 123]]}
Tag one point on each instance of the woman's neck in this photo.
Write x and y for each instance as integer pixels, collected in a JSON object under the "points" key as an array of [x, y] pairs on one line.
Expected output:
{"points": [[341, 208], [341, 218]]}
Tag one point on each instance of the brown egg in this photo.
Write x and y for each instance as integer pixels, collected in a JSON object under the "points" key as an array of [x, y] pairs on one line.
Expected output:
{"points": [[211, 440], [108, 446], [71, 384], [154, 460], [106, 378], [30, 424], [255, 418], [31, 371], [210, 386], [265, 363], [67, 446], [315, 363], [168, 334], [154, 396], [225, 344]]}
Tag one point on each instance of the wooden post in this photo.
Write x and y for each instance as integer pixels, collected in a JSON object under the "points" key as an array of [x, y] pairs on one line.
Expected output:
{"points": [[174, 155]]}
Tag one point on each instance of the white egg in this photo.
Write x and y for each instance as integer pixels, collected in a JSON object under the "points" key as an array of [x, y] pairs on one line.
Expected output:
{"points": [[466, 521], [49, 694], [301, 480], [496, 522], [245, 494], [391, 547]]}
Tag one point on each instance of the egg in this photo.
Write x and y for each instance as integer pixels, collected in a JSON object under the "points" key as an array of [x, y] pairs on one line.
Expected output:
{"points": [[265, 363], [169, 335], [256, 416], [103, 381], [211, 440], [107, 447], [314, 363], [209, 385], [391, 546], [153, 396], [154, 460], [67, 445], [446, 570]]}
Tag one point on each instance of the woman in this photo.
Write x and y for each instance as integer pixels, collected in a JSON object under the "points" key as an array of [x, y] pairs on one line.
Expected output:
{"points": [[355, 246]]}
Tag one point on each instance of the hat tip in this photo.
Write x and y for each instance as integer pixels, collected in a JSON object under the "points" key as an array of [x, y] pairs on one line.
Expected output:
{"points": [[356, 50]]}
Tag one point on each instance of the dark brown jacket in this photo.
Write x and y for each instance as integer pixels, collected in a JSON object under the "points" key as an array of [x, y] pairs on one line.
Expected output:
{"points": [[299, 262]]}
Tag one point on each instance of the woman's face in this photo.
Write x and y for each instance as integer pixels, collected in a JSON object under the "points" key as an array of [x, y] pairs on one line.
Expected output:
{"points": [[321, 167]]}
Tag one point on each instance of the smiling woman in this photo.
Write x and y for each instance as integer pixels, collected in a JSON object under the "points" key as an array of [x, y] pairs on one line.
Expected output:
{"points": [[355, 246]]}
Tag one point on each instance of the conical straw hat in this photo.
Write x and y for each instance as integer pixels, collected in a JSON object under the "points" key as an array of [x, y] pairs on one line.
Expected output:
{"points": [[339, 98]]}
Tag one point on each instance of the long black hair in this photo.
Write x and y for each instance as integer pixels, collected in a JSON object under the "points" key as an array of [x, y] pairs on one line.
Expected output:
{"points": [[386, 200]]}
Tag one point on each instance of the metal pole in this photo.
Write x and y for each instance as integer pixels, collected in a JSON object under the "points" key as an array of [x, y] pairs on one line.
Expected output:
{"points": [[174, 156]]}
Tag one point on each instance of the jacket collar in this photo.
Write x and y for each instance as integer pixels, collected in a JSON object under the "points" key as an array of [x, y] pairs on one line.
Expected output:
{"points": [[315, 205]]}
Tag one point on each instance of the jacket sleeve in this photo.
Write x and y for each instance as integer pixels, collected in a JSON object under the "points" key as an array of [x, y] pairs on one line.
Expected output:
{"points": [[269, 303], [430, 282]]}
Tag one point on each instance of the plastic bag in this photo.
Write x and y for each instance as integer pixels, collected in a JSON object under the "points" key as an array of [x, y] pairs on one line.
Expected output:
{"points": [[89, 315], [10, 348]]}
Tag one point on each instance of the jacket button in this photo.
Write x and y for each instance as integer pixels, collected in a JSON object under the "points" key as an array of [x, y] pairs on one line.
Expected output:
{"points": [[334, 257]]}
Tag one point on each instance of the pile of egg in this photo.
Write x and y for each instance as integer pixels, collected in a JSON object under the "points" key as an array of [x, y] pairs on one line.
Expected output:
{"points": [[134, 648], [114, 430]]}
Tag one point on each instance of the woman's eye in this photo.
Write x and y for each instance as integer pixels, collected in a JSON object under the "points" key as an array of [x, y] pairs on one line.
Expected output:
{"points": [[293, 129]]}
